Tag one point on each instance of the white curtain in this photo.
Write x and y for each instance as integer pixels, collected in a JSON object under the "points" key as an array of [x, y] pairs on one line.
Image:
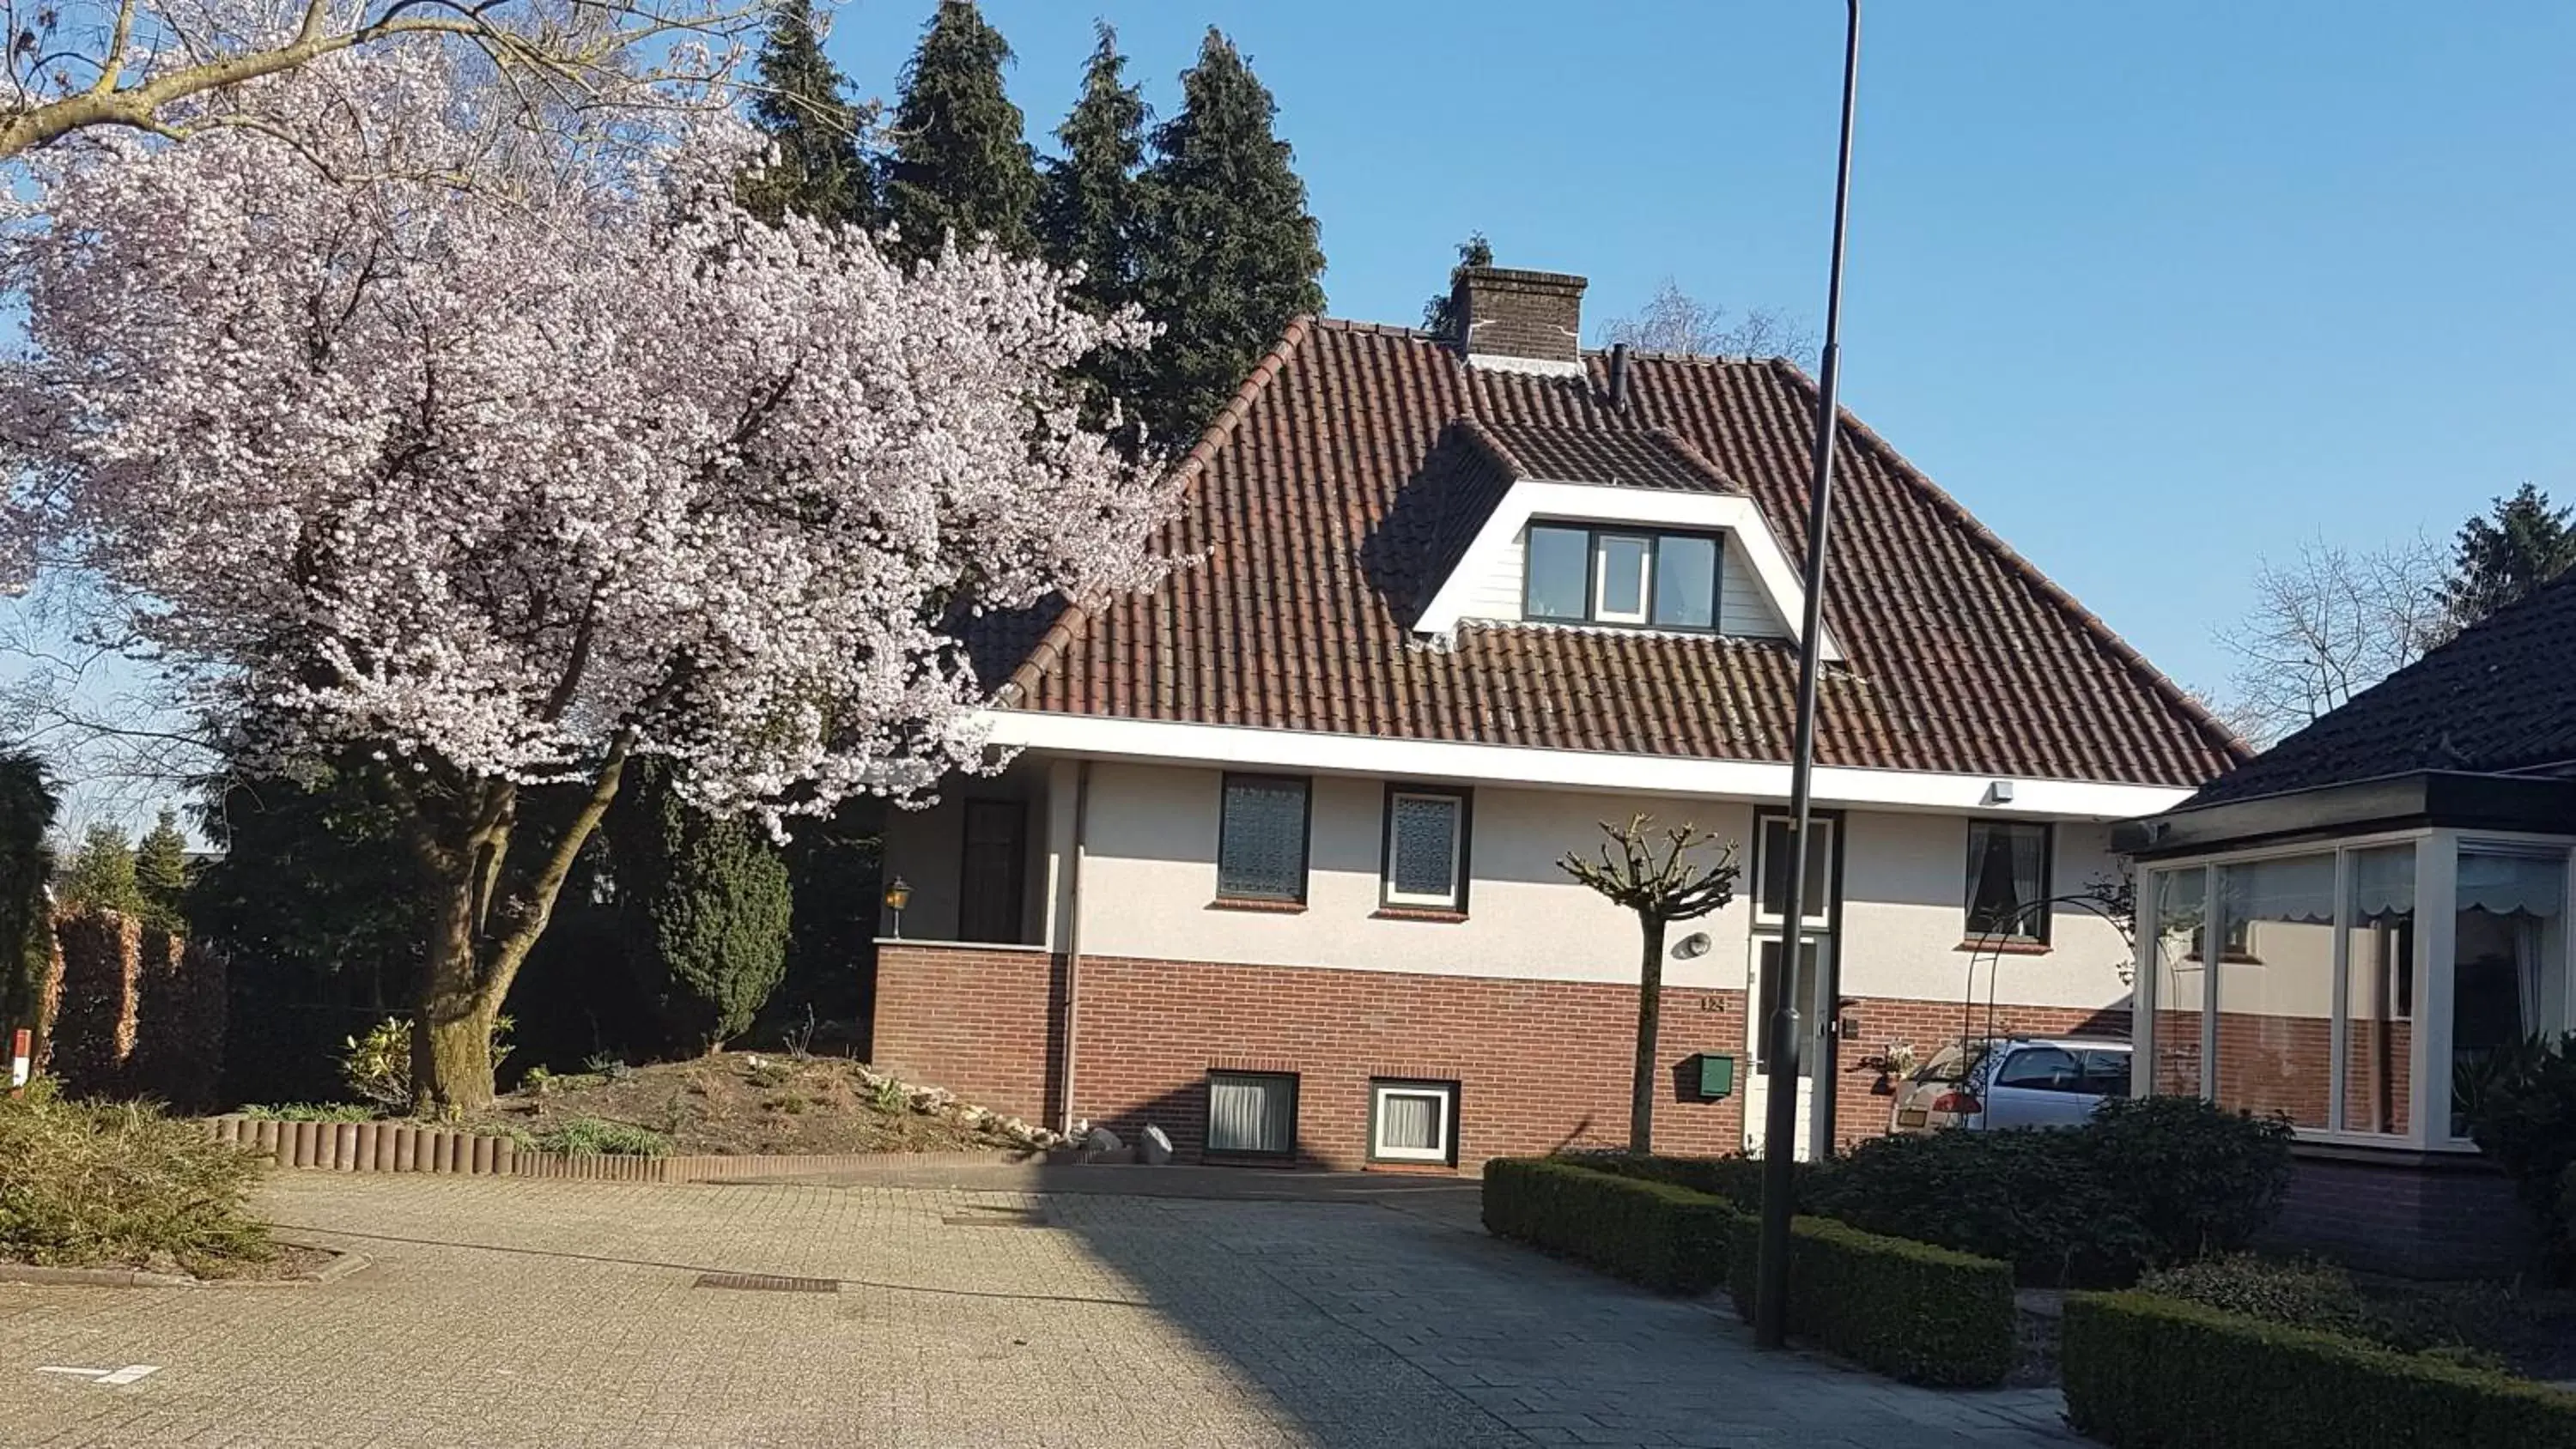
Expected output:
{"points": [[1409, 1122], [2290, 888], [1252, 1114], [2383, 882], [2029, 864]]}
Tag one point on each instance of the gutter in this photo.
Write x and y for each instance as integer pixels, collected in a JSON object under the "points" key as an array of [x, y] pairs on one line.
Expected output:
{"points": [[1073, 940]]}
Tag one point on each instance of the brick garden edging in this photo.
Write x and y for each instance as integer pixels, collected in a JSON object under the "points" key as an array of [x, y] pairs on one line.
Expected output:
{"points": [[449, 1151]]}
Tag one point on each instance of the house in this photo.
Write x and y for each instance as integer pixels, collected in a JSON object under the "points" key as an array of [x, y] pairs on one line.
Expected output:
{"points": [[1274, 867], [2389, 889]]}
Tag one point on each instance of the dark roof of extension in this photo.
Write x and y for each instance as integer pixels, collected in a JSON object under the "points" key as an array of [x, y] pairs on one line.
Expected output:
{"points": [[1332, 494], [2498, 699]]}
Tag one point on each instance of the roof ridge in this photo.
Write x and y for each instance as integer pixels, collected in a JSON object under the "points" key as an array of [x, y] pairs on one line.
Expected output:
{"points": [[1681, 447], [2126, 654], [1381, 329], [1069, 624], [1474, 430]]}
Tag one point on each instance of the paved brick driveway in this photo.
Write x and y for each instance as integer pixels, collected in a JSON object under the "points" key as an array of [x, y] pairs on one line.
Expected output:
{"points": [[540, 1313]]}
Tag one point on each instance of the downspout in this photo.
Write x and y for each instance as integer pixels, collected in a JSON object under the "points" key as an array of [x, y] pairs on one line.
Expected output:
{"points": [[1073, 939]]}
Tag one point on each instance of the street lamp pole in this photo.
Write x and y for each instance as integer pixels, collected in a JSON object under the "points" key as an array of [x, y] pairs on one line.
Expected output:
{"points": [[1780, 1104]]}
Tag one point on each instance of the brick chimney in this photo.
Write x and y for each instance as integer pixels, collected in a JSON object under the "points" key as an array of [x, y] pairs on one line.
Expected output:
{"points": [[1508, 317]]}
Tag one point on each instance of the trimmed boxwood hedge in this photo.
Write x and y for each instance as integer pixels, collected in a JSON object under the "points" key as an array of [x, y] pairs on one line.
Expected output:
{"points": [[1650, 1233], [1909, 1310], [2145, 1372], [1736, 1179]]}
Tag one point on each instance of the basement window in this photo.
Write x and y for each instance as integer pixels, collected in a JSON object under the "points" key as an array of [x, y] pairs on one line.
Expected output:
{"points": [[1413, 1122], [1252, 1114]]}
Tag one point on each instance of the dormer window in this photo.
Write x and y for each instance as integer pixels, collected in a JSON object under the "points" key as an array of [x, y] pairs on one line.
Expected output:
{"points": [[1635, 577]]}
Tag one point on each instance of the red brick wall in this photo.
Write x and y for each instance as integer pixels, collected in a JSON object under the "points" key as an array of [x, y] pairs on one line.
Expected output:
{"points": [[974, 1020]]}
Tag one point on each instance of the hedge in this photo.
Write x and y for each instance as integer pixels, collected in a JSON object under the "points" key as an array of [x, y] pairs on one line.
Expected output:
{"points": [[1650, 1233], [2150, 1372], [1736, 1179], [1909, 1310]]}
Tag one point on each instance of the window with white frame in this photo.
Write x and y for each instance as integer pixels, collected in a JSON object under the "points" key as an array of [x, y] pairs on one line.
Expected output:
{"points": [[1643, 578], [2008, 881], [1261, 839], [1426, 849], [1413, 1121], [2508, 958], [1252, 1114]]}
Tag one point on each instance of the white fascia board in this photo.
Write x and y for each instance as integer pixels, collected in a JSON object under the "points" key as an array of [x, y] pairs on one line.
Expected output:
{"points": [[1661, 507], [1447, 761]]}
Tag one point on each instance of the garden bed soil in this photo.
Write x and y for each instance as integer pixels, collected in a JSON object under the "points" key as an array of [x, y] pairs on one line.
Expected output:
{"points": [[739, 1103], [291, 1263]]}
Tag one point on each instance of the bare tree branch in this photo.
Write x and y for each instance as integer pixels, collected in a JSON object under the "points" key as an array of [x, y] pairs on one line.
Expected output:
{"points": [[2325, 626], [1675, 321]]}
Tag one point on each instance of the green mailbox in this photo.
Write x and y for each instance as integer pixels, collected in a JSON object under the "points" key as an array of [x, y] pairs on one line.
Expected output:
{"points": [[1714, 1078]]}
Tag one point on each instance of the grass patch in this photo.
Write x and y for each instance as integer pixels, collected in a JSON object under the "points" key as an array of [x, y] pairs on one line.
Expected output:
{"points": [[591, 1137], [309, 1112], [93, 1184]]}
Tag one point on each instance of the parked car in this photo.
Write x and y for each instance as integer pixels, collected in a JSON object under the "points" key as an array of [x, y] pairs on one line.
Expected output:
{"points": [[2020, 1081]]}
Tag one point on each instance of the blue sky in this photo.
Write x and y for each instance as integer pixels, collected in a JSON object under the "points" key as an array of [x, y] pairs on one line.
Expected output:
{"points": [[2153, 289]]}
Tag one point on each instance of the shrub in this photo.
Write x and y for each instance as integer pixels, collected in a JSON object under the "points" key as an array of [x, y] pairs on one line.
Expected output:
{"points": [[2148, 1371], [2146, 1183], [590, 1136], [2521, 1111], [308, 1112], [1736, 1179], [377, 1066], [92, 1183], [2200, 1178], [1923, 1314], [2302, 1294], [1650, 1233]]}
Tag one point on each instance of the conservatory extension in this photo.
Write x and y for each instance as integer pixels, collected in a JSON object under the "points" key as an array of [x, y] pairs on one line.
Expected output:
{"points": [[2352, 957]]}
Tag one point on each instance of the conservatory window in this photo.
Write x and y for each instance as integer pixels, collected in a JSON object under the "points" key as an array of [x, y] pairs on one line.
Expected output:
{"points": [[2379, 990], [2181, 981], [2508, 976], [2276, 1016]]}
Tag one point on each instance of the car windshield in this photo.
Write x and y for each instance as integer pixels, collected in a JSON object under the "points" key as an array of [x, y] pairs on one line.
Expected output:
{"points": [[1953, 1063]]}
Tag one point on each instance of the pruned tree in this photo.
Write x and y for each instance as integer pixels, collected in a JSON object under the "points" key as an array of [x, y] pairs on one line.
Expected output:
{"points": [[2517, 545], [151, 65], [1439, 315], [1675, 321], [505, 484], [1663, 876], [2325, 626]]}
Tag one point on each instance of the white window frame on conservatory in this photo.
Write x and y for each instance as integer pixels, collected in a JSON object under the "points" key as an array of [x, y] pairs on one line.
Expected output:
{"points": [[2437, 863]]}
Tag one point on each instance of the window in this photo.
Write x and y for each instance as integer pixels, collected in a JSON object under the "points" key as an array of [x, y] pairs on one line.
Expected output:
{"points": [[991, 881], [2379, 989], [1621, 576], [1252, 1114], [2106, 1073], [1426, 849], [2008, 882], [2042, 1069], [2276, 1016], [1261, 839], [1773, 868], [2508, 974], [1413, 1121], [2181, 979]]}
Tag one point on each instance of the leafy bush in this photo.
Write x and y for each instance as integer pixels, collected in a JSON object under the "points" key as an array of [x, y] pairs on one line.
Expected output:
{"points": [[95, 1183], [590, 1136], [308, 1112], [2306, 1293], [2146, 1183], [1650, 1233], [1912, 1311], [2148, 1371], [2521, 1111], [2200, 1178], [377, 1066]]}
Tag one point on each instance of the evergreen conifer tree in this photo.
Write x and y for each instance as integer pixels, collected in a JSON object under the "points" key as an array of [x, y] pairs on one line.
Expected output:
{"points": [[2519, 544], [26, 918], [707, 905], [101, 877], [1230, 255], [161, 875], [1439, 318], [804, 109], [961, 161], [1087, 202]]}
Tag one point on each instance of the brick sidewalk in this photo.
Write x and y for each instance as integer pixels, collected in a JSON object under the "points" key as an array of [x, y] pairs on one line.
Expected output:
{"points": [[506, 1313]]}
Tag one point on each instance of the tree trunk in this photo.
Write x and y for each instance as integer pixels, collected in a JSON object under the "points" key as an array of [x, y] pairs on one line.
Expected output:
{"points": [[451, 1039], [1650, 1012]]}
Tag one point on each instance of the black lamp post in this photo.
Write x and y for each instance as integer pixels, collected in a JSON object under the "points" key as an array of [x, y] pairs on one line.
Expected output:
{"points": [[1780, 1072], [898, 894]]}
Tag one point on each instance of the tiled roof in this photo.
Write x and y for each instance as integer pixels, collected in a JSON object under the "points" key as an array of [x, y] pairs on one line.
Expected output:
{"points": [[2499, 698], [1320, 499]]}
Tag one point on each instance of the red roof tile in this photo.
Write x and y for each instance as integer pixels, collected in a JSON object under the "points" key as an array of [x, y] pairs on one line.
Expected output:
{"points": [[1323, 504]]}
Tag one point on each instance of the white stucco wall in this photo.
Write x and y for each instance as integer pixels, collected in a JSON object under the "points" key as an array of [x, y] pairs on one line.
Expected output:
{"points": [[1150, 874]]}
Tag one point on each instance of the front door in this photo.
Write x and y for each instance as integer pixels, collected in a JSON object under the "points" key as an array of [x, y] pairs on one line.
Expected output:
{"points": [[992, 879], [1763, 976]]}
